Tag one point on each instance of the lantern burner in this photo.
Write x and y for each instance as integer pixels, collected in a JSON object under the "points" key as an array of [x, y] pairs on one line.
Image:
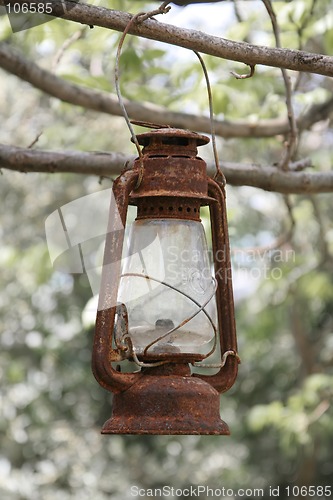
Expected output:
{"points": [[166, 324]]}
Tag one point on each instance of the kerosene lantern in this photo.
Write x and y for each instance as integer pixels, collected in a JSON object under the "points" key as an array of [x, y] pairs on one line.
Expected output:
{"points": [[159, 302]]}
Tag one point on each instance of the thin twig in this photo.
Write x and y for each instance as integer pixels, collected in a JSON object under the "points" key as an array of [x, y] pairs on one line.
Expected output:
{"points": [[252, 66], [292, 219], [102, 177], [291, 143], [237, 12], [244, 76], [300, 29], [31, 145], [240, 19], [319, 411], [163, 9], [305, 20], [264, 249], [302, 164], [323, 246], [67, 43]]}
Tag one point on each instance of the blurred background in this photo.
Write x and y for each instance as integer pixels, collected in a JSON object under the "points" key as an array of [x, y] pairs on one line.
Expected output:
{"points": [[280, 409]]}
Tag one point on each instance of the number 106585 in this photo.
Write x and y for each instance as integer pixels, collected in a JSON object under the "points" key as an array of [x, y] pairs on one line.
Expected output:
{"points": [[29, 8]]}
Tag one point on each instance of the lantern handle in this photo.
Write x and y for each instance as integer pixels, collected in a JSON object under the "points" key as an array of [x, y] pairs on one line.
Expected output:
{"points": [[225, 377], [139, 18], [103, 353]]}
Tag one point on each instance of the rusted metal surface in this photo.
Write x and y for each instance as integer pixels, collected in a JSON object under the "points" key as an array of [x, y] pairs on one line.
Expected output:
{"points": [[149, 124], [171, 167], [168, 208], [103, 352], [170, 136], [225, 378], [167, 399]]}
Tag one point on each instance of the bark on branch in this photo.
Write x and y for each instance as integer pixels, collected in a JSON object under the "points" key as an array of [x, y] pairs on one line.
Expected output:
{"points": [[14, 62], [252, 55], [109, 164]]}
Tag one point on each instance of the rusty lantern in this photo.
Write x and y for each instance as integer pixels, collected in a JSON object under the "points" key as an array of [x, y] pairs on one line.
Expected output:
{"points": [[158, 310]]}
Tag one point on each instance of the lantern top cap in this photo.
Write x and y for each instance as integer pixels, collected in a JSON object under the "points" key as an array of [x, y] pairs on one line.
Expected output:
{"points": [[169, 133]]}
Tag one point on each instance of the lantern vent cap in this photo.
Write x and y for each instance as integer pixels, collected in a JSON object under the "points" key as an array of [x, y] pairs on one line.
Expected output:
{"points": [[172, 137]]}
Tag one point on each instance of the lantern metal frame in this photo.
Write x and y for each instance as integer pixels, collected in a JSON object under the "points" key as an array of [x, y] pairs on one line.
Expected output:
{"points": [[168, 180]]}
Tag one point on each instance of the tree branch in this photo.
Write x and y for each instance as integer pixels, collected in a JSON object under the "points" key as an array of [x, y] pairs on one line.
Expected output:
{"points": [[14, 62], [195, 40], [107, 164]]}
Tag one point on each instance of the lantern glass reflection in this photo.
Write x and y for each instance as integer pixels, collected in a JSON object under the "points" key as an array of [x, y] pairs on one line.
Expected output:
{"points": [[166, 277]]}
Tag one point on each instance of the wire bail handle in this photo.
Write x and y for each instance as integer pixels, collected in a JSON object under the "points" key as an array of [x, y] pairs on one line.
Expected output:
{"points": [[138, 18]]}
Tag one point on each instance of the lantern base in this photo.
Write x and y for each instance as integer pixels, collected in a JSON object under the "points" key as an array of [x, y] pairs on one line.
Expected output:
{"points": [[167, 403]]}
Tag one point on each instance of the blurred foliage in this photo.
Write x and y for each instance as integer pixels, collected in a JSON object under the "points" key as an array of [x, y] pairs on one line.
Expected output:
{"points": [[280, 409]]}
